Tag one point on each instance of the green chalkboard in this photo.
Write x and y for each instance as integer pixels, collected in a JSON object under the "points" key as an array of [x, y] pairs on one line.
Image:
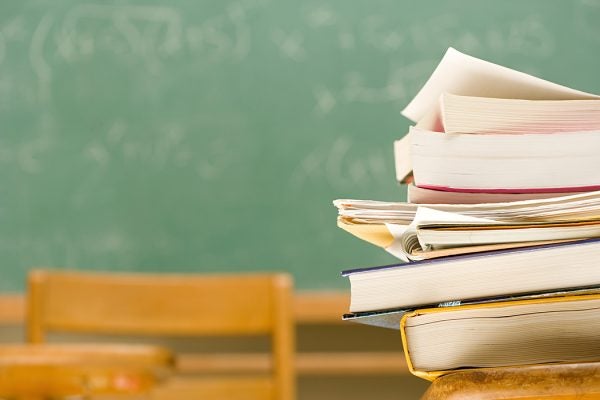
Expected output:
{"points": [[213, 135]]}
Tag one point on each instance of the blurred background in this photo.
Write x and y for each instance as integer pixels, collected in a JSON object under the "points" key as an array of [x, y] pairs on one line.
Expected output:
{"points": [[203, 136], [213, 135]]}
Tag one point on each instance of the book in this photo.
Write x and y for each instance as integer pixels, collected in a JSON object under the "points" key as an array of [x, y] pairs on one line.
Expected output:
{"points": [[442, 234], [436, 233], [562, 208], [526, 332], [461, 74], [400, 243], [541, 268], [482, 115], [465, 75], [500, 163], [417, 232], [419, 195]]}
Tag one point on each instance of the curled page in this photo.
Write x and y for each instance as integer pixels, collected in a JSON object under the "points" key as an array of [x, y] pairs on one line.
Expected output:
{"points": [[465, 75], [461, 74], [407, 245]]}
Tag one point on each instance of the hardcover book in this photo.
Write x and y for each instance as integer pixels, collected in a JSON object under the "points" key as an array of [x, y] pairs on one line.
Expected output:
{"points": [[475, 276], [535, 331]]}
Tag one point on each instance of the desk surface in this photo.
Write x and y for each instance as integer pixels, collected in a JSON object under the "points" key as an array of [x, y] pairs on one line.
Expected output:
{"points": [[545, 382]]}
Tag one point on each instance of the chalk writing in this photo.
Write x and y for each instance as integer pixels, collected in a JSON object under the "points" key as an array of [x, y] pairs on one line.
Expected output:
{"points": [[2, 47], [342, 165], [325, 100], [321, 16], [147, 41], [38, 63], [291, 45]]}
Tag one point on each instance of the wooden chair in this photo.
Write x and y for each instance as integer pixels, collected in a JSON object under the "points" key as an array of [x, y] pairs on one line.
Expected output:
{"points": [[545, 382], [174, 305]]}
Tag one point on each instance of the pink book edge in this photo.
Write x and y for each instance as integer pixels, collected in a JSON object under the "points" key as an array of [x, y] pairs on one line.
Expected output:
{"points": [[523, 190]]}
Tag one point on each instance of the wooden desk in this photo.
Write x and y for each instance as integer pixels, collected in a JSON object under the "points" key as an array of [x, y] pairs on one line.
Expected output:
{"points": [[544, 382], [41, 371]]}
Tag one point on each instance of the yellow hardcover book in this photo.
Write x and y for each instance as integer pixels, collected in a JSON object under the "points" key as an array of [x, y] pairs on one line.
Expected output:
{"points": [[544, 330]]}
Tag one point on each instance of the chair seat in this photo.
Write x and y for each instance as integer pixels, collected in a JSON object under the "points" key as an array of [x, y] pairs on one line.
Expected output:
{"points": [[548, 382], [80, 369]]}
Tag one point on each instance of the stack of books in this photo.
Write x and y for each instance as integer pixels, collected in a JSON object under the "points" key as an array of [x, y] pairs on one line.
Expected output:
{"points": [[500, 236]]}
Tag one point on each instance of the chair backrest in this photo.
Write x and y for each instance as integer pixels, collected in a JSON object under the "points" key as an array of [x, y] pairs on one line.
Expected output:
{"points": [[167, 304]]}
